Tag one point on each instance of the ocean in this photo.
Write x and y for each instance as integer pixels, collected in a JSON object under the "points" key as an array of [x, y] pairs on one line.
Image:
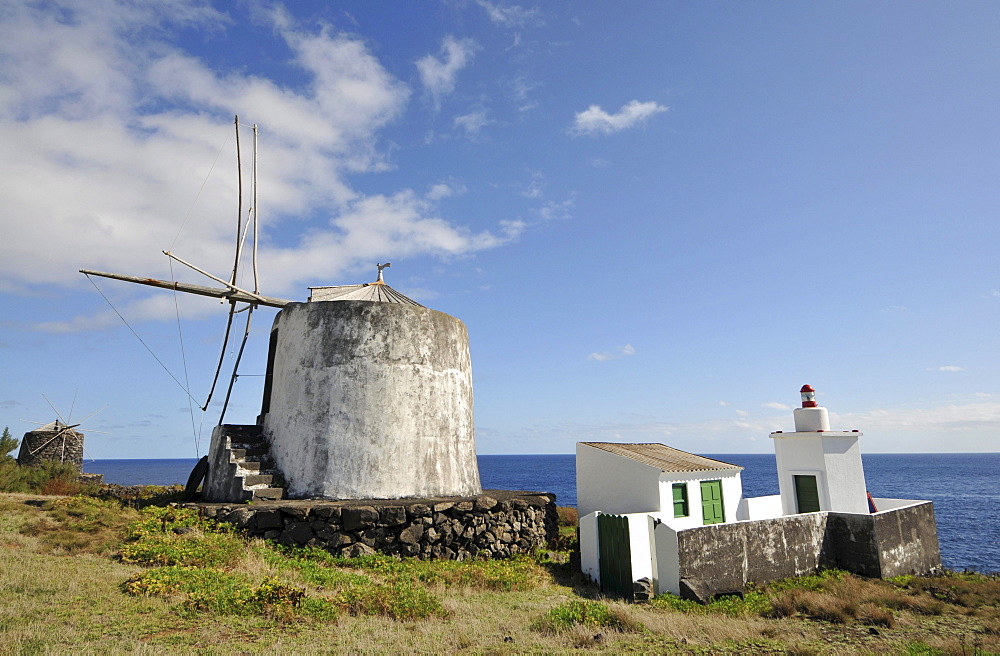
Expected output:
{"points": [[965, 488]]}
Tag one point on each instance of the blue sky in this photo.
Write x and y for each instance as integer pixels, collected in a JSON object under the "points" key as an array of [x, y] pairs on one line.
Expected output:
{"points": [[657, 219]]}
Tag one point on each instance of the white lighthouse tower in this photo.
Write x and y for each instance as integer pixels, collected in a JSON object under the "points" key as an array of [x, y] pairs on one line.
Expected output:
{"points": [[819, 469]]}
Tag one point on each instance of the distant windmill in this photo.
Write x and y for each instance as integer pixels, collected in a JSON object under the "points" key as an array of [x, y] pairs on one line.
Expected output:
{"points": [[57, 441]]}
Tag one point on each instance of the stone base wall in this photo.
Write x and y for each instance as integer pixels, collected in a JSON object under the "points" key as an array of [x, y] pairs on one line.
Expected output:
{"points": [[495, 524], [722, 558]]}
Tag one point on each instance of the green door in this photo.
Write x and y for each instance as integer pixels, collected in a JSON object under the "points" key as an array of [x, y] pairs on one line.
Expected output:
{"points": [[806, 493], [614, 554], [711, 502]]}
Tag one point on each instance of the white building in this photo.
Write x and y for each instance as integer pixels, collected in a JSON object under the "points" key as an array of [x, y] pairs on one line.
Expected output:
{"points": [[819, 469], [648, 511]]}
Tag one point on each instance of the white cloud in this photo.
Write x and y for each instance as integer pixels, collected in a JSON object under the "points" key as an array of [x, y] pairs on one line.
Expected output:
{"points": [[623, 351], [118, 130], [509, 15], [723, 403], [947, 367], [939, 419], [438, 75], [472, 122], [445, 190], [553, 210], [774, 405], [595, 120]]}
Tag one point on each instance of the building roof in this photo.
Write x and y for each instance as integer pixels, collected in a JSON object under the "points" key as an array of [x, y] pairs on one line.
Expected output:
{"points": [[369, 291], [664, 458]]}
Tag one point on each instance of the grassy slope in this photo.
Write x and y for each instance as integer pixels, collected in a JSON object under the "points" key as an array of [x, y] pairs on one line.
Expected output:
{"points": [[61, 589]]}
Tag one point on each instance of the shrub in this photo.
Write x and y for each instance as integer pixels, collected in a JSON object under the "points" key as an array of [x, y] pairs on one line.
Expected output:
{"points": [[79, 524], [218, 591], [189, 550], [399, 601], [875, 615], [178, 536], [568, 516], [584, 613], [56, 477]]}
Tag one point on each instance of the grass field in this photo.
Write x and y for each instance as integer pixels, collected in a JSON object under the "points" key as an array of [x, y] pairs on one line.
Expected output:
{"points": [[80, 575]]}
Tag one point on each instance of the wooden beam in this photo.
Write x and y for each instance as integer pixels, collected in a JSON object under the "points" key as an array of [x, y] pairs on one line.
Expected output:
{"points": [[200, 290]]}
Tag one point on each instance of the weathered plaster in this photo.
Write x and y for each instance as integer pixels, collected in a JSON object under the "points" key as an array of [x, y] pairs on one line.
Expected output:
{"points": [[372, 400]]}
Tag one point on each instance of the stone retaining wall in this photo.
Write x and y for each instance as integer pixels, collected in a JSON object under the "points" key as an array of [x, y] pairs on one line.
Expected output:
{"points": [[495, 524]]}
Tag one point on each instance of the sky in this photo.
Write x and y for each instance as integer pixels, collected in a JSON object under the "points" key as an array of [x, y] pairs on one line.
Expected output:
{"points": [[658, 220]]}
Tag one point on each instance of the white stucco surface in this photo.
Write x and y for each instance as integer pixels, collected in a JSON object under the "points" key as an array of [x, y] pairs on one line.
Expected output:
{"points": [[608, 482], [752, 508], [732, 490], [371, 400], [833, 457]]}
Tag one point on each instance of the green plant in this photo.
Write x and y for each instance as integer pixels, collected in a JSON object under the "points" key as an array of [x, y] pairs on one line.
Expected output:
{"points": [[399, 601], [207, 589], [7, 444], [584, 613], [56, 477], [179, 536]]}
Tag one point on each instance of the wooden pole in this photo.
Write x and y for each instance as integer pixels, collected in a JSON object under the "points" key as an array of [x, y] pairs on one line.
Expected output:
{"points": [[230, 294]]}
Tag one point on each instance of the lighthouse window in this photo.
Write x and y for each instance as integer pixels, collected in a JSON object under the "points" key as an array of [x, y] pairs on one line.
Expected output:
{"points": [[680, 500]]}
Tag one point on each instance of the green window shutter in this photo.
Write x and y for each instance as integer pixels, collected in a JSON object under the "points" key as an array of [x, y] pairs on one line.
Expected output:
{"points": [[680, 500], [806, 493], [712, 511]]}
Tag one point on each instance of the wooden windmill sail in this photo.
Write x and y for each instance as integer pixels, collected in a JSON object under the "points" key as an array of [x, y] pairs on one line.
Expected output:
{"points": [[245, 229]]}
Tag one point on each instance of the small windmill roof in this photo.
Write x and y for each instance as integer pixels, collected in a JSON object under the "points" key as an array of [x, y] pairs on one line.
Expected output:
{"points": [[370, 291], [665, 458]]}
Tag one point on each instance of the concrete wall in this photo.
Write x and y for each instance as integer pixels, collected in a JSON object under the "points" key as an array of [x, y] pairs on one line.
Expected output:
{"points": [[722, 558], [614, 484], [371, 400], [907, 540]]}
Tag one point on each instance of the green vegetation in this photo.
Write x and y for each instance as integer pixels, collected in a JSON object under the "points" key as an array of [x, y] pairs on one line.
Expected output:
{"points": [[7, 444], [587, 614], [84, 574], [56, 478]]}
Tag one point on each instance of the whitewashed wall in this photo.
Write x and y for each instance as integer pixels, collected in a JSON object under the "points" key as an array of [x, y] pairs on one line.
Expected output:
{"points": [[372, 400], [732, 491], [833, 457], [614, 484]]}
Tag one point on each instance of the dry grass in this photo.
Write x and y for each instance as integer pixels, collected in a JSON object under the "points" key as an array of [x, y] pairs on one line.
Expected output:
{"points": [[60, 601]]}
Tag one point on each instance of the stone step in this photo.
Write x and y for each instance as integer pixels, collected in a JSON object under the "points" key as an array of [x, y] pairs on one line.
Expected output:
{"points": [[269, 493], [257, 480], [249, 467]]}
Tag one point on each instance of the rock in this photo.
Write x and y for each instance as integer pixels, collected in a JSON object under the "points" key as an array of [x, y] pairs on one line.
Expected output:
{"points": [[419, 510], [485, 503], [339, 539], [357, 550], [296, 533], [268, 519], [393, 515], [411, 534], [355, 518]]}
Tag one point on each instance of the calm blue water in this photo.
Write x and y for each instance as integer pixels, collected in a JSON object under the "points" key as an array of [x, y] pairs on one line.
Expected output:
{"points": [[965, 488]]}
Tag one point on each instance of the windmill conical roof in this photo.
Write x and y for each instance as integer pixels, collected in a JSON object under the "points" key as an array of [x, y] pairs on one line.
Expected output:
{"points": [[371, 291]]}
